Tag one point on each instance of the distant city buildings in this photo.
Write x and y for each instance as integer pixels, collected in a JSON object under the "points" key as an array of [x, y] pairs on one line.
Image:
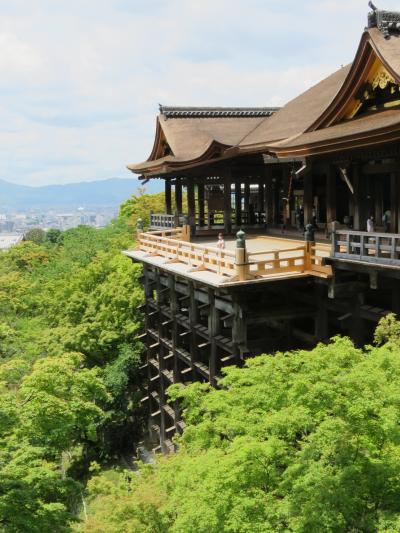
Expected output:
{"points": [[19, 222], [6, 241]]}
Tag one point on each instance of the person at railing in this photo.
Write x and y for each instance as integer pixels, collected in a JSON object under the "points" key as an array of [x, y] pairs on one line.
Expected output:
{"points": [[221, 241], [386, 221], [370, 224]]}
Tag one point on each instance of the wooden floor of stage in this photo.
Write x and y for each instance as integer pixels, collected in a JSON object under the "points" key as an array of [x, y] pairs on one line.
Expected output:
{"points": [[270, 258]]}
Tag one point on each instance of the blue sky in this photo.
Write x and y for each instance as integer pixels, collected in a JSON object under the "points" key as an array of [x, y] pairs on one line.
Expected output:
{"points": [[80, 80]]}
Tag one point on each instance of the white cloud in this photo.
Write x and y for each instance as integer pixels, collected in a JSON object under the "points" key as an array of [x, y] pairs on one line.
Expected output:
{"points": [[18, 60], [80, 80]]}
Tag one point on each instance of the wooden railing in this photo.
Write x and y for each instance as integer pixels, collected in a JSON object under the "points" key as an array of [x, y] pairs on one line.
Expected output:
{"points": [[238, 265], [162, 220], [379, 248], [196, 256], [318, 253], [277, 261]]}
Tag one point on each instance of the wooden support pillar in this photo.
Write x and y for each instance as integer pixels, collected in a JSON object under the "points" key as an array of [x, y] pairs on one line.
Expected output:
{"points": [[193, 321], [178, 196], [261, 208], [148, 291], [269, 196], [285, 203], [308, 198], [360, 214], [239, 331], [238, 203], [168, 197], [173, 303], [246, 204], [378, 199], [161, 362], [191, 206], [213, 330], [201, 200], [331, 178], [227, 202], [395, 197]]}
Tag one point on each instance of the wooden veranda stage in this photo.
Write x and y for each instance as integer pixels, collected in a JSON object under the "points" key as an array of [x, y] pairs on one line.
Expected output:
{"points": [[263, 258]]}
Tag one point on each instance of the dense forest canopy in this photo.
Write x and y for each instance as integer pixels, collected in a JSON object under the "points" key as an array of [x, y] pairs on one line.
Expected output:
{"points": [[306, 441]]}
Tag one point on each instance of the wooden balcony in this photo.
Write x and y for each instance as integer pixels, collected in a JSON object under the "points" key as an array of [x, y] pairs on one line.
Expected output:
{"points": [[164, 221], [373, 248], [258, 259]]}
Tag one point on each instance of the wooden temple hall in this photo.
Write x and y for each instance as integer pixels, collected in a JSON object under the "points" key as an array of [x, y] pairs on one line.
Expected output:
{"points": [[307, 198]]}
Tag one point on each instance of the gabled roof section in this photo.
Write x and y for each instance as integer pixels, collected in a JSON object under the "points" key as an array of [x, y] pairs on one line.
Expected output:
{"points": [[376, 55], [161, 148], [192, 136]]}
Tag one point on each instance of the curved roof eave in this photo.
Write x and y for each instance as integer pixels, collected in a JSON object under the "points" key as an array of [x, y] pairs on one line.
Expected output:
{"points": [[359, 140], [213, 153]]}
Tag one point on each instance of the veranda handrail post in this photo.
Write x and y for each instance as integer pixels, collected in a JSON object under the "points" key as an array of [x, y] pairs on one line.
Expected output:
{"points": [[334, 237], [186, 229], [139, 231], [241, 264], [309, 237]]}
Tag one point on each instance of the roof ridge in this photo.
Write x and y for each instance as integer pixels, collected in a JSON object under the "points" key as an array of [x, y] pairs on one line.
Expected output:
{"points": [[217, 111]]}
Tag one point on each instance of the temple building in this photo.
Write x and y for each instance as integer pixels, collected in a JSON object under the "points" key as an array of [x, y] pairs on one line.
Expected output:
{"points": [[307, 198]]}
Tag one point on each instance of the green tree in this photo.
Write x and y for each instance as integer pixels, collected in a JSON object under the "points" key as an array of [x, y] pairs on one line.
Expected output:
{"points": [[36, 235], [140, 205], [307, 441], [54, 236], [44, 413]]}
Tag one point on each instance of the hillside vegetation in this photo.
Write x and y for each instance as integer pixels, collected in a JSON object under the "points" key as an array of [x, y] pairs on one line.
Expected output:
{"points": [[299, 442], [306, 441], [68, 368]]}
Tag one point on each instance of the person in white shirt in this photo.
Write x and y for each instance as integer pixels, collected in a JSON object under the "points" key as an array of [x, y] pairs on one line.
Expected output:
{"points": [[221, 242], [370, 224]]}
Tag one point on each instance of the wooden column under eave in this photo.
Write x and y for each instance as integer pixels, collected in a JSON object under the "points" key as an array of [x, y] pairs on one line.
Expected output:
{"points": [[261, 197], [377, 184], [178, 196], [269, 196], [360, 214], [227, 203], [238, 203], [191, 200], [168, 197], [285, 194], [308, 198], [246, 203], [330, 195], [394, 198], [201, 200]]}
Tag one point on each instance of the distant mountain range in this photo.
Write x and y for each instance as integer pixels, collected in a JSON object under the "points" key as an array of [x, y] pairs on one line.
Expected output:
{"points": [[88, 194]]}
